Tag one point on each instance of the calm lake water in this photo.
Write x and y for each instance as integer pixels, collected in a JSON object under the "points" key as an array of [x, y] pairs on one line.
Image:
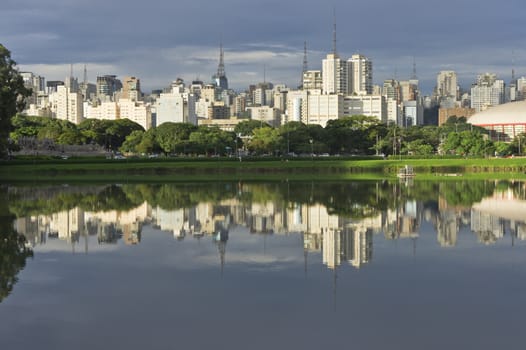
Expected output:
{"points": [[280, 265]]}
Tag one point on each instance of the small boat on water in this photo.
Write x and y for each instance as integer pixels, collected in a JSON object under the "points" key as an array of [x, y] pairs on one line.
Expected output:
{"points": [[406, 171]]}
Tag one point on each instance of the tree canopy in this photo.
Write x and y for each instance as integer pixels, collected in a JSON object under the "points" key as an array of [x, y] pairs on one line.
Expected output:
{"points": [[12, 94]]}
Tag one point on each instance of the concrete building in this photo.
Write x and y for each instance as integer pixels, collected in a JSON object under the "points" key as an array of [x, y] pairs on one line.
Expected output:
{"points": [[107, 86], [176, 107], [369, 105], [322, 108], [413, 113], [334, 75], [131, 89], [391, 89], [218, 110], [108, 110], [312, 80], [136, 111], [69, 104], [297, 106], [223, 124], [445, 113], [408, 91], [359, 75], [488, 91], [447, 85], [266, 114]]}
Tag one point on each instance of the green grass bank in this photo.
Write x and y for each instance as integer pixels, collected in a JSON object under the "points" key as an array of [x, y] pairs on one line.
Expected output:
{"points": [[209, 169]]}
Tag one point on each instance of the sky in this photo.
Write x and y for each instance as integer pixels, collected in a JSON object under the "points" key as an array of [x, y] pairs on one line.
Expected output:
{"points": [[159, 41]]}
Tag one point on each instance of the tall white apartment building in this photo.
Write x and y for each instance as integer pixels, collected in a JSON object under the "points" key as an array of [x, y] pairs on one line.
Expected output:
{"points": [[176, 107], [69, 104], [136, 111], [334, 75], [447, 85], [360, 75], [297, 106], [488, 91]]}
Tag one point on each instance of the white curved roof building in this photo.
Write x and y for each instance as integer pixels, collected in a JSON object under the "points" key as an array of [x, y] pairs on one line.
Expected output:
{"points": [[505, 121]]}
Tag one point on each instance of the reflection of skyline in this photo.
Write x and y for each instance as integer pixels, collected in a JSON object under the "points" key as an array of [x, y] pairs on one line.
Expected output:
{"points": [[337, 238]]}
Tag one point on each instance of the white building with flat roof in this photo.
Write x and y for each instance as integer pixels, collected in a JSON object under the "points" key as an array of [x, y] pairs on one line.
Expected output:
{"points": [[360, 75], [369, 105], [176, 107], [322, 108]]}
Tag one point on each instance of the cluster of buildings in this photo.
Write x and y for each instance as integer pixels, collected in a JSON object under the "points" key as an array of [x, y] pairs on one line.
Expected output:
{"points": [[342, 87], [337, 239]]}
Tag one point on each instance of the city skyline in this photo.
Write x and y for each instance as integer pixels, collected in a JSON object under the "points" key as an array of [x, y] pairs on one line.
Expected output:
{"points": [[47, 38]]}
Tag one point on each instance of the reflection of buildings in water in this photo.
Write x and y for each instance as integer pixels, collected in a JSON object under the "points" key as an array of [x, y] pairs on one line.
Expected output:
{"points": [[262, 217], [338, 239], [447, 226], [70, 225], [487, 227], [488, 217], [179, 222], [404, 221]]}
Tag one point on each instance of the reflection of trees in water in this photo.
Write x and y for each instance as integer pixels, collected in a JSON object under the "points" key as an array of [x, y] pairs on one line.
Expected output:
{"points": [[355, 199], [13, 250]]}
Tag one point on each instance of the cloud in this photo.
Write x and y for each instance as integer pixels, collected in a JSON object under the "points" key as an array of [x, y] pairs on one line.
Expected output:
{"points": [[162, 40]]}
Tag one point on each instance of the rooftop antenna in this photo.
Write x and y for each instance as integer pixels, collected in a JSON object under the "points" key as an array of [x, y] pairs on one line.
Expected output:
{"points": [[264, 74], [334, 33], [71, 70], [512, 65], [414, 77], [221, 65], [305, 64]]}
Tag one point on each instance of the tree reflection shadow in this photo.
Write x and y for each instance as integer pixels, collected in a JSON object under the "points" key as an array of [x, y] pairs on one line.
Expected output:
{"points": [[13, 250]]}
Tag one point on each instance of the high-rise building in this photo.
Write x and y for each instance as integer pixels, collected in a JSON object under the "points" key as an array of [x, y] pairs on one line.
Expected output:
{"points": [[177, 107], [131, 89], [334, 75], [391, 89], [360, 75], [487, 91], [107, 86], [447, 85], [69, 104], [312, 80]]}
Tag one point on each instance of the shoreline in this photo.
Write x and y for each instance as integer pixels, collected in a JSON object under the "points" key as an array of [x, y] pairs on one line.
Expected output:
{"points": [[196, 169]]}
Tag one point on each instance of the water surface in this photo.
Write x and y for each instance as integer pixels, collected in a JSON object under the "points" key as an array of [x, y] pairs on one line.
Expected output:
{"points": [[300, 265]]}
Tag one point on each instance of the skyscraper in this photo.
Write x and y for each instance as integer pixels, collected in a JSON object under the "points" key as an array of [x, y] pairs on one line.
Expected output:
{"points": [[447, 84], [360, 75], [487, 92]]}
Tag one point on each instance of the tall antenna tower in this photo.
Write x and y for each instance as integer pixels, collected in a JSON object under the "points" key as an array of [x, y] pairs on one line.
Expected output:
{"points": [[305, 64], [334, 34], [71, 70], [513, 66], [85, 75], [221, 65], [414, 77]]}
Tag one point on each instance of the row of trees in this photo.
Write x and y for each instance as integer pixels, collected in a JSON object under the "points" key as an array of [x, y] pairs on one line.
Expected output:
{"points": [[361, 135], [109, 134]]}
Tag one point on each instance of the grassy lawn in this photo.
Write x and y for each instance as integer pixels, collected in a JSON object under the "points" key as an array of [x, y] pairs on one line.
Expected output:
{"points": [[183, 169]]}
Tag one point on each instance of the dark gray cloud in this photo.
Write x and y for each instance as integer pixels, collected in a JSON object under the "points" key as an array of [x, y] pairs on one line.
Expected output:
{"points": [[160, 40]]}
